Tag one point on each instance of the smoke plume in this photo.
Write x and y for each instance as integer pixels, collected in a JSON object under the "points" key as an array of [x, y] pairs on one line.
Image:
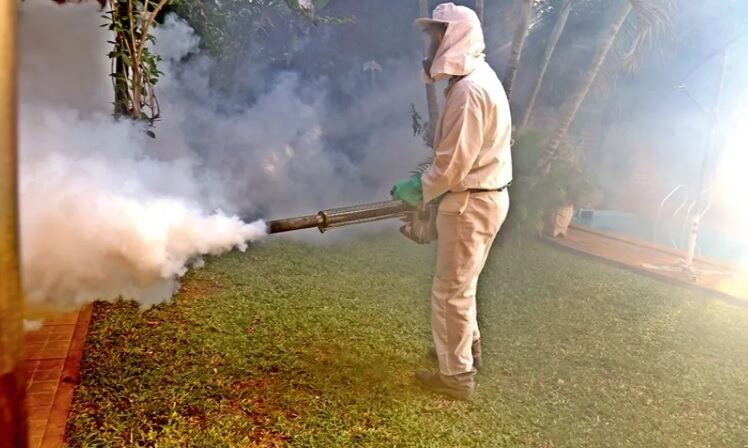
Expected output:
{"points": [[108, 212], [101, 217]]}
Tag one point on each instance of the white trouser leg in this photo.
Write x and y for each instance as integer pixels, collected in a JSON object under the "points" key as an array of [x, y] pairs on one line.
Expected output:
{"points": [[467, 226]]}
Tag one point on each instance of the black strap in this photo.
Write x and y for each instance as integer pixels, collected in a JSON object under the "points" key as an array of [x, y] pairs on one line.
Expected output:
{"points": [[484, 190]]}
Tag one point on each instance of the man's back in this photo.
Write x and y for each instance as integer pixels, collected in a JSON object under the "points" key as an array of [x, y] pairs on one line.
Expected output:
{"points": [[493, 165], [473, 136]]}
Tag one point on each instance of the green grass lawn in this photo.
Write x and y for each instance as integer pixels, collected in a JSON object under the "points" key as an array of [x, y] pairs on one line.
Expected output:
{"points": [[292, 344]]}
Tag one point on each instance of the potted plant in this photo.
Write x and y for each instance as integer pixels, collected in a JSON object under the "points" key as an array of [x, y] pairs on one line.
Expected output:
{"points": [[544, 204], [576, 184]]}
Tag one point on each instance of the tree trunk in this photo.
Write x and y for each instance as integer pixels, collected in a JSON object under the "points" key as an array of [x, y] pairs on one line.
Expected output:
{"points": [[517, 45], [121, 95], [431, 99], [120, 88], [480, 9], [584, 88], [550, 48]]}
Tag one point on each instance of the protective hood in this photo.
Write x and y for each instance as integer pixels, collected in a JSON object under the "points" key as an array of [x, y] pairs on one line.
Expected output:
{"points": [[461, 50]]}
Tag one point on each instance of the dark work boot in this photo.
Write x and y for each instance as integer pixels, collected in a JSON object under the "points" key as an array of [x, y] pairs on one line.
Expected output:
{"points": [[477, 354], [459, 387]]}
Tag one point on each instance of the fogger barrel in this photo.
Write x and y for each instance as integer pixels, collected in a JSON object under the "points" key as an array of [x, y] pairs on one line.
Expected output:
{"points": [[345, 216]]}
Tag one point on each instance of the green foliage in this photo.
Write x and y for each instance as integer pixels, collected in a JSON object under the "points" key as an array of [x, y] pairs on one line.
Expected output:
{"points": [[534, 196], [236, 27], [420, 127], [216, 22], [134, 68], [315, 346]]}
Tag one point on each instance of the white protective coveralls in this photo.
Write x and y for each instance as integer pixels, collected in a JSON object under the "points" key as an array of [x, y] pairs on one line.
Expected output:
{"points": [[472, 152]]}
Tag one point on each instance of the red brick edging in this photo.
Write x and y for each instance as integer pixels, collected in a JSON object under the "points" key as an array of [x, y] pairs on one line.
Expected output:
{"points": [[51, 370], [55, 432]]}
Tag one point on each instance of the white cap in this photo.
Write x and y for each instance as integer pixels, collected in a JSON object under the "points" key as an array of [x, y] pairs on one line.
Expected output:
{"points": [[447, 13]]}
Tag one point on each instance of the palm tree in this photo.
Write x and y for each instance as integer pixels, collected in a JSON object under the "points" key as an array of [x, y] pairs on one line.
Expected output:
{"points": [[480, 9], [651, 18], [431, 99], [550, 48], [523, 29]]}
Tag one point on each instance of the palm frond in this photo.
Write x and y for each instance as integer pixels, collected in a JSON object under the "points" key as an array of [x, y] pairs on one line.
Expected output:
{"points": [[423, 166], [649, 23], [543, 14], [501, 21], [606, 81]]}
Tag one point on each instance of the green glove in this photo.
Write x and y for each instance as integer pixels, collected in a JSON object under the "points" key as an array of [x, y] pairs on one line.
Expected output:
{"points": [[409, 190]]}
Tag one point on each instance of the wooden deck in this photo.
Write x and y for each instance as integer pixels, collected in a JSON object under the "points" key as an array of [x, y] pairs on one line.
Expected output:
{"points": [[722, 279]]}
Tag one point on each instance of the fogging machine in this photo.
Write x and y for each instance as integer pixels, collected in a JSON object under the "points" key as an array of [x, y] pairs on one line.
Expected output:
{"points": [[420, 222]]}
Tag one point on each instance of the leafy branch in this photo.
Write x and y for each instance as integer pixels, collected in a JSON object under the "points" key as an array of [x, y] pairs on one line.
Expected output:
{"points": [[134, 68]]}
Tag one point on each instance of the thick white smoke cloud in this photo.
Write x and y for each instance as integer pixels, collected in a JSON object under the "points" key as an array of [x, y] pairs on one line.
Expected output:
{"points": [[108, 212], [100, 218], [100, 221], [279, 156]]}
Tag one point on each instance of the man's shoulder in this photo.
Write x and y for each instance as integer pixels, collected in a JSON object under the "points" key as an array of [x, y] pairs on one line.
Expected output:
{"points": [[482, 80], [481, 84]]}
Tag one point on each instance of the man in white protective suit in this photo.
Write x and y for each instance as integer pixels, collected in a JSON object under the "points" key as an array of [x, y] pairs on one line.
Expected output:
{"points": [[469, 176]]}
